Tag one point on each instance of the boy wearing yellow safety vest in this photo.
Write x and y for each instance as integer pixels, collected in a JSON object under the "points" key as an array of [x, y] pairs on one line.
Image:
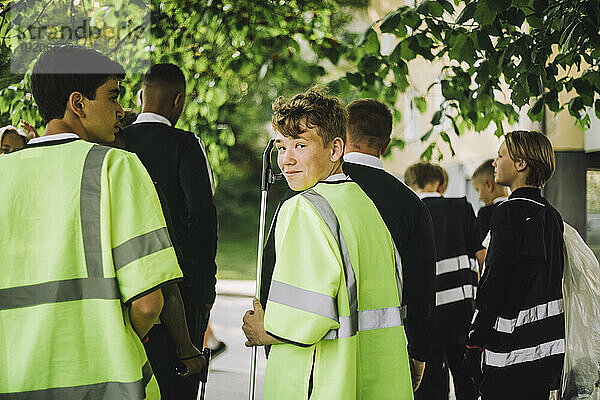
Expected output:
{"points": [[84, 249], [333, 314]]}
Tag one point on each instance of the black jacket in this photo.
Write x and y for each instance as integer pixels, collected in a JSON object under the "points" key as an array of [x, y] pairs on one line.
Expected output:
{"points": [[520, 319], [484, 219], [456, 242], [177, 164]]}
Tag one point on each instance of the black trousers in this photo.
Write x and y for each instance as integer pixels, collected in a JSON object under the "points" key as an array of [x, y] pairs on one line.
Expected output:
{"points": [[436, 385], [513, 396], [162, 352]]}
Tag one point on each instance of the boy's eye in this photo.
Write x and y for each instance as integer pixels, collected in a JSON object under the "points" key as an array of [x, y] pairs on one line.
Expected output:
{"points": [[300, 145], [280, 148]]}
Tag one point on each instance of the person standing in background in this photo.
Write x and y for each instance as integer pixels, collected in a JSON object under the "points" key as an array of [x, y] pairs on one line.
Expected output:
{"points": [[491, 193], [176, 160], [458, 251]]}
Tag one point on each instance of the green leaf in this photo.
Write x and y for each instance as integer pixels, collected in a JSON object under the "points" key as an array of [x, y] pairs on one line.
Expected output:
{"points": [[467, 13], [406, 52], [110, 18], [428, 153], [446, 139], [484, 14], [427, 135], [355, 79], [430, 7], [499, 129], [535, 84], [447, 6], [575, 106], [455, 126], [369, 64], [437, 117], [371, 42], [583, 87], [535, 112], [420, 103], [484, 41], [392, 22]]}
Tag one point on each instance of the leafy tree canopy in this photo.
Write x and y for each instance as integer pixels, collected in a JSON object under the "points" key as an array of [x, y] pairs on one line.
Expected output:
{"points": [[534, 48]]}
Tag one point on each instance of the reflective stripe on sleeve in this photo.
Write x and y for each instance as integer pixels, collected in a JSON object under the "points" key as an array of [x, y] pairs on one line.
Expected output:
{"points": [[528, 354], [537, 313], [141, 246], [59, 291], [302, 299], [89, 200], [455, 294], [105, 390], [455, 264], [389, 317]]}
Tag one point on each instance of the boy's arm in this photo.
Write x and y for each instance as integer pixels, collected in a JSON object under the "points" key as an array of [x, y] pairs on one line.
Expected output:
{"points": [[144, 312]]}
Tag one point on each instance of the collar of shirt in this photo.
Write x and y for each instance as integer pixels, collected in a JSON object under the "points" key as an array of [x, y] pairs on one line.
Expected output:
{"points": [[337, 178], [363, 159], [151, 117], [428, 194], [499, 200], [527, 192], [48, 138]]}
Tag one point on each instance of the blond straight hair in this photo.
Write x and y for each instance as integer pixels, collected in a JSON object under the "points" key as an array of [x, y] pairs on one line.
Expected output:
{"points": [[536, 150]]}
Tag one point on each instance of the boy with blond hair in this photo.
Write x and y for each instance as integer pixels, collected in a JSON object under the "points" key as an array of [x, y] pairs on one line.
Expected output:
{"points": [[519, 319], [457, 246]]}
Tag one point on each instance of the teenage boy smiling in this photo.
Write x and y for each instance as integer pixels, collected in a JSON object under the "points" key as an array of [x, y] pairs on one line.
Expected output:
{"points": [[519, 319], [334, 313]]}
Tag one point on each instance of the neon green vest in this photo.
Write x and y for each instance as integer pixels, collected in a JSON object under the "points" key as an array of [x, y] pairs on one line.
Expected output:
{"points": [[335, 294], [82, 236]]}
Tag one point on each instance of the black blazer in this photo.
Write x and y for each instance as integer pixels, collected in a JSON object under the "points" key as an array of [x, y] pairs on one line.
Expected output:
{"points": [[410, 226], [177, 165]]}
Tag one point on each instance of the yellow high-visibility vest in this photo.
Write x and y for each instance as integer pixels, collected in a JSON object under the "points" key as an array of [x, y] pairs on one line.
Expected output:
{"points": [[82, 236], [336, 298]]}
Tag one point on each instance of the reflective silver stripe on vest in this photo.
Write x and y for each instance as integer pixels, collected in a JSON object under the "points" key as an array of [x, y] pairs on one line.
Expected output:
{"points": [[95, 286], [357, 320], [59, 291], [328, 215], [90, 209], [302, 299], [538, 313], [389, 317], [524, 355], [454, 264], [455, 294], [526, 199], [398, 261], [106, 390], [141, 246]]}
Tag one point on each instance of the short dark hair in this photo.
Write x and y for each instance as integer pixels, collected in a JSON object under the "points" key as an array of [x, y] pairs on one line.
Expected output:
{"points": [[419, 174], [62, 70], [484, 171], [316, 109], [369, 122], [535, 149], [164, 74]]}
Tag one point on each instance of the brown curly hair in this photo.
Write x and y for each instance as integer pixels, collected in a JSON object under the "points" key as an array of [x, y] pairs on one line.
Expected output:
{"points": [[313, 108]]}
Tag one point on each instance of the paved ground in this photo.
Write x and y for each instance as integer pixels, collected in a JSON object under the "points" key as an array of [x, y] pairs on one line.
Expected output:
{"points": [[229, 374]]}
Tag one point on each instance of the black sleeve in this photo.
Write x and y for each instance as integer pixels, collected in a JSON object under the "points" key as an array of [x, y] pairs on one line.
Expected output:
{"points": [[202, 217], [483, 220], [472, 230], [418, 269], [492, 290]]}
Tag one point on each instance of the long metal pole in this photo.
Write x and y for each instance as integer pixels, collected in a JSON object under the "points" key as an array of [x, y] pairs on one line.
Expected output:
{"points": [[261, 229], [266, 180]]}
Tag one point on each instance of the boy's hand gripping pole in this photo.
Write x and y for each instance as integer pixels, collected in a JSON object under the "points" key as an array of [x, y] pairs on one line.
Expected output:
{"points": [[267, 179]]}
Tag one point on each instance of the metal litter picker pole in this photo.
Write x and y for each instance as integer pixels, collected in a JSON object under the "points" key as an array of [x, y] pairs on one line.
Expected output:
{"points": [[267, 179]]}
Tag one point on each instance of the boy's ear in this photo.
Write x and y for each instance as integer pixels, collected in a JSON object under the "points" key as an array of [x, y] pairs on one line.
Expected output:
{"points": [[489, 184], [76, 103], [179, 99], [520, 165], [337, 149]]}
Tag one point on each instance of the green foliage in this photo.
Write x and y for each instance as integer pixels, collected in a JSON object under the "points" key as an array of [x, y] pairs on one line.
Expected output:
{"points": [[539, 48]]}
